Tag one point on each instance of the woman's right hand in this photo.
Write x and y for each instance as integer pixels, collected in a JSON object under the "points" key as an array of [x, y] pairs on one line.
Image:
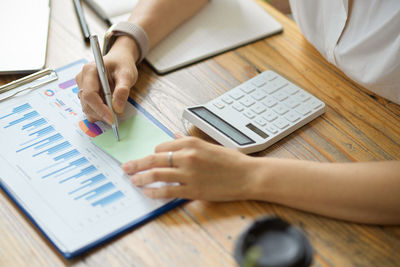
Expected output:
{"points": [[120, 63]]}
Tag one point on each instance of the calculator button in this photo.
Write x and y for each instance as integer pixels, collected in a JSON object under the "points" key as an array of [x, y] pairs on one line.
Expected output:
{"points": [[238, 107], [291, 103], [258, 81], [227, 99], [247, 101], [258, 95], [269, 102], [258, 108], [219, 105], [281, 123], [280, 95], [302, 96], [269, 75], [281, 109], [303, 109], [277, 84], [271, 128], [269, 89], [292, 116], [236, 94], [249, 114], [314, 104], [290, 89], [260, 121], [270, 116], [247, 88]]}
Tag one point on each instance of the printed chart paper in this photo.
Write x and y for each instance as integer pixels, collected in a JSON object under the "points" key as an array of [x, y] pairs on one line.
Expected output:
{"points": [[75, 193]]}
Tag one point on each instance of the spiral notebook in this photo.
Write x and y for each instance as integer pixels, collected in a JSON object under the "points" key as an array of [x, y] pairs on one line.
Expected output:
{"points": [[220, 26], [75, 194]]}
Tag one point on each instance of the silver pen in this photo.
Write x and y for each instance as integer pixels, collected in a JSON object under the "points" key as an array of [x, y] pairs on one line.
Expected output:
{"points": [[94, 43]]}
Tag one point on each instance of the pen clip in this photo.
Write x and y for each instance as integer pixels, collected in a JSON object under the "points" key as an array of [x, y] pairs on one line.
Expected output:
{"points": [[52, 74]]}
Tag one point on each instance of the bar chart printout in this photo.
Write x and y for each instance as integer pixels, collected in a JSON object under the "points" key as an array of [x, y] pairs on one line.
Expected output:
{"points": [[76, 194], [53, 159]]}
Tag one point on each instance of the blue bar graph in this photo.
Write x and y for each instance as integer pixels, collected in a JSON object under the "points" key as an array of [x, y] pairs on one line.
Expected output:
{"points": [[90, 182], [43, 131], [67, 155], [48, 139], [76, 163], [39, 134], [61, 159], [108, 199], [97, 192], [25, 117], [34, 124], [85, 171], [18, 109], [58, 159], [51, 140], [54, 149]]}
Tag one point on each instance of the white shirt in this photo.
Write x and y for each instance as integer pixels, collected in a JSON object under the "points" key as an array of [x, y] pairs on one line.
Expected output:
{"points": [[366, 49]]}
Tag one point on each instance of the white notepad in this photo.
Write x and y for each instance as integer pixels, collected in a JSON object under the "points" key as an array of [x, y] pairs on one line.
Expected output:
{"points": [[24, 29], [220, 26]]}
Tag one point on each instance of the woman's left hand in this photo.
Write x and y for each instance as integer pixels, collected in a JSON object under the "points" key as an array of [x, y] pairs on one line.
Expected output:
{"points": [[203, 170]]}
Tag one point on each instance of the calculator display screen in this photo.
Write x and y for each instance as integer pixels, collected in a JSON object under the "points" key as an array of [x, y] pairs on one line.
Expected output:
{"points": [[222, 126]]}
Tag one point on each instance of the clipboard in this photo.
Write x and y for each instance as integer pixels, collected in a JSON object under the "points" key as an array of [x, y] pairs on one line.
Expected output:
{"points": [[42, 77], [56, 176]]}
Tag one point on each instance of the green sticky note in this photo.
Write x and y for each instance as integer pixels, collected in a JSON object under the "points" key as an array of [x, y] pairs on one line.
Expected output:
{"points": [[138, 138]]}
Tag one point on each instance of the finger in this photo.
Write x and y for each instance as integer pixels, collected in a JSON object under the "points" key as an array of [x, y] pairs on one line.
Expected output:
{"points": [[166, 192], [167, 175], [178, 144], [158, 160], [124, 80], [95, 102], [178, 135], [89, 112], [91, 93], [91, 116]]}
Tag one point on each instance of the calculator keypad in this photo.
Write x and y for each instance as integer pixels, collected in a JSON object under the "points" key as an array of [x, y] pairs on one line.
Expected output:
{"points": [[247, 101], [269, 102]]}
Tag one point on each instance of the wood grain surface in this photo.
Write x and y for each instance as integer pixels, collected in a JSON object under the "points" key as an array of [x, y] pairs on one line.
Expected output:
{"points": [[357, 126]]}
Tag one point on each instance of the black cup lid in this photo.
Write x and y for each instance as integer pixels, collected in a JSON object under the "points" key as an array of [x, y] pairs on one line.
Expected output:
{"points": [[273, 242]]}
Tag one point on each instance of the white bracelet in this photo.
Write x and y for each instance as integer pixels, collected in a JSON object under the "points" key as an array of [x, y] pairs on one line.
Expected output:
{"points": [[128, 29]]}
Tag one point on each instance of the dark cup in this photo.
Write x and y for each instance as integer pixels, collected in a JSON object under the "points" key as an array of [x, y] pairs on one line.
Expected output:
{"points": [[272, 242]]}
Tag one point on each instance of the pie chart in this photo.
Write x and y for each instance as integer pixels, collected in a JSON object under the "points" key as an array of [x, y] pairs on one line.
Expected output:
{"points": [[90, 129]]}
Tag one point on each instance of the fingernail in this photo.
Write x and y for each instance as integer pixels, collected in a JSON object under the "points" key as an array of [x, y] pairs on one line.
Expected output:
{"points": [[125, 167], [108, 118], [128, 167], [178, 135], [133, 180]]}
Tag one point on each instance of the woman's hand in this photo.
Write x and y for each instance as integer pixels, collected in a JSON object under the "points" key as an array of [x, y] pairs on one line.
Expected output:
{"points": [[203, 171], [122, 75]]}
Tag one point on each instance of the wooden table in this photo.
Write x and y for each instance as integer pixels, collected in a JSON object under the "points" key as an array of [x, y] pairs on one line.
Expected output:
{"points": [[357, 126]]}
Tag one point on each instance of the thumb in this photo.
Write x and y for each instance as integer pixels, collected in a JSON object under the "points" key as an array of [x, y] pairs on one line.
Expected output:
{"points": [[121, 92], [120, 96]]}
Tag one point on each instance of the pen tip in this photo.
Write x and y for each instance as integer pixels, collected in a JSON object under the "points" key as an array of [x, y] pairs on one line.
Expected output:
{"points": [[116, 134]]}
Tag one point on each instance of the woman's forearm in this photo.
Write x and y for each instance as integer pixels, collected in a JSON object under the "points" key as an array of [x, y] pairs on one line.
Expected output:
{"points": [[160, 17], [362, 192]]}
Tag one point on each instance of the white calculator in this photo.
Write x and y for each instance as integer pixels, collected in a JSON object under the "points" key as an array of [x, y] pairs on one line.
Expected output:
{"points": [[257, 113]]}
